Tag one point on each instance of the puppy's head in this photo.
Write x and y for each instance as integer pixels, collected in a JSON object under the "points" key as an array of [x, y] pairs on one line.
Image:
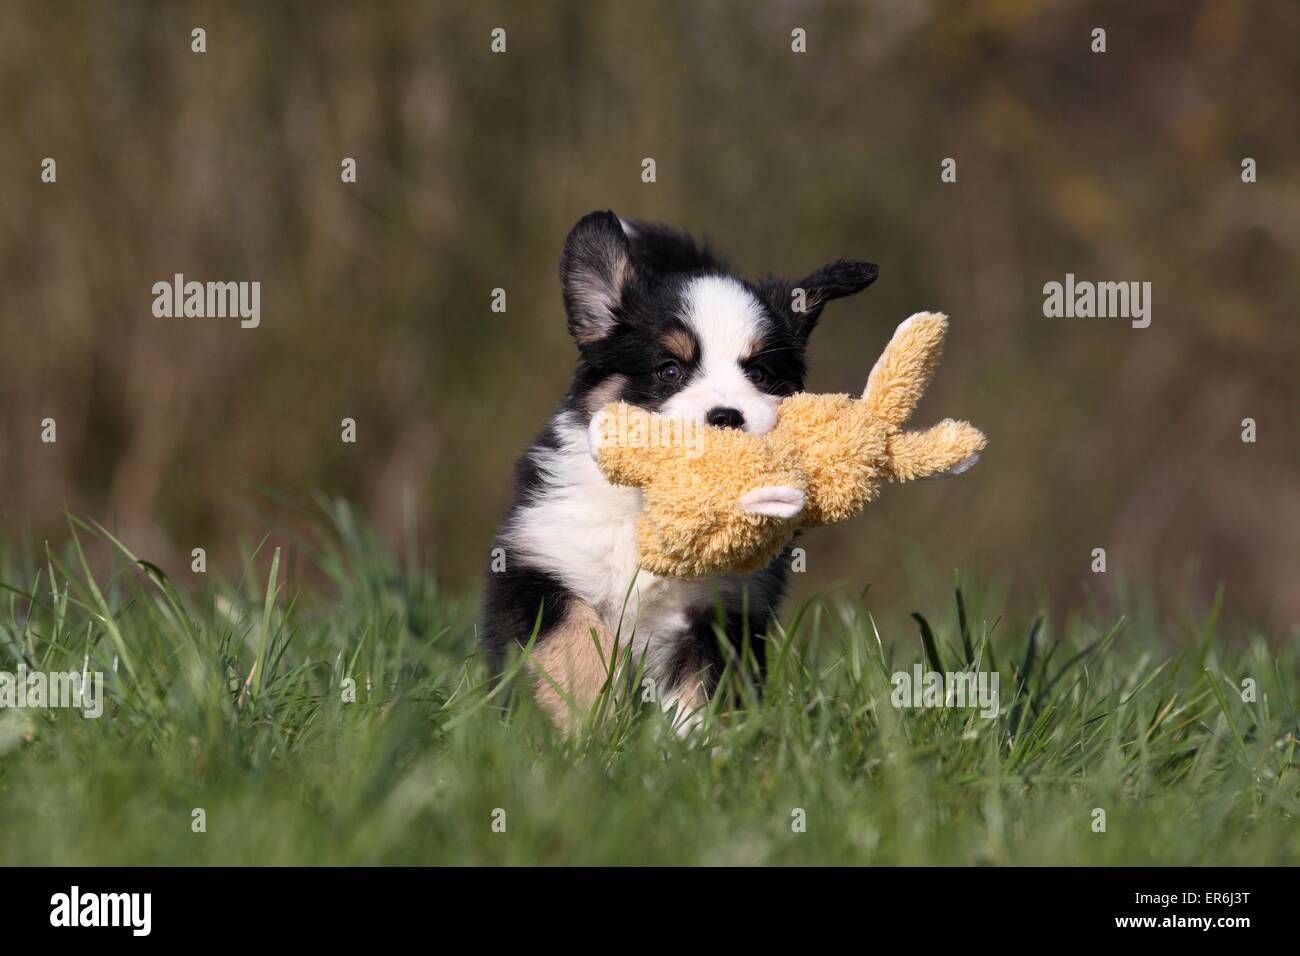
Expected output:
{"points": [[662, 324]]}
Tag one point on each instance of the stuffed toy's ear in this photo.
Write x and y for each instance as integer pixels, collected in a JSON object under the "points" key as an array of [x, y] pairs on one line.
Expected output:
{"points": [[948, 448], [905, 368], [775, 501]]}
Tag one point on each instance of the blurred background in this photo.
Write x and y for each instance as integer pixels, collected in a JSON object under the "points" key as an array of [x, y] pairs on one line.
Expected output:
{"points": [[472, 166]]}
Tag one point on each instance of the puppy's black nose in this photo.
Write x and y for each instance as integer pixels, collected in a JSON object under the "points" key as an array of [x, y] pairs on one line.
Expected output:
{"points": [[725, 417]]}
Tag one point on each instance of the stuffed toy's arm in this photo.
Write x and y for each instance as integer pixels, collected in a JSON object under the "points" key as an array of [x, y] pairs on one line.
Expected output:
{"points": [[948, 448]]}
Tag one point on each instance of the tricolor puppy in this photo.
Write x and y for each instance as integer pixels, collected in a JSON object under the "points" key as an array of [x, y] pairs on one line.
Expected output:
{"points": [[659, 323]]}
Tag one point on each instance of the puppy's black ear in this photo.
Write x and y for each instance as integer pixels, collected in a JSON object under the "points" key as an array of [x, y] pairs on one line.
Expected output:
{"points": [[595, 269], [801, 302]]}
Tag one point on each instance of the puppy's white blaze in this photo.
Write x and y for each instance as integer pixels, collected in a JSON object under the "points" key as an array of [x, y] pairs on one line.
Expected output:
{"points": [[726, 320], [776, 501]]}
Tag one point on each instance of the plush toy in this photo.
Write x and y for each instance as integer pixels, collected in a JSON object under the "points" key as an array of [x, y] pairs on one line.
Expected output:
{"points": [[718, 500]]}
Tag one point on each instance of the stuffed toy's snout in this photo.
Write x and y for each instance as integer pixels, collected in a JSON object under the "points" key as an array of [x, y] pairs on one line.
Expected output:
{"points": [[719, 501]]}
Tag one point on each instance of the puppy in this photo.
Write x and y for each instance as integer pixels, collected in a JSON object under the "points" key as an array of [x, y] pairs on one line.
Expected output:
{"points": [[660, 323]]}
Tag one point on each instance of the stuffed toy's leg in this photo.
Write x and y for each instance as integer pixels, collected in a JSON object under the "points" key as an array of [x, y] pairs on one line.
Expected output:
{"points": [[905, 368]]}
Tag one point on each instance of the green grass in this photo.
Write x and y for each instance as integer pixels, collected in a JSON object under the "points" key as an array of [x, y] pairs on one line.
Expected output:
{"points": [[230, 700]]}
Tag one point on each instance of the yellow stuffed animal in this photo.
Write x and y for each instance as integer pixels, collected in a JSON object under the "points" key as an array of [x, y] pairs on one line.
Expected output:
{"points": [[719, 500]]}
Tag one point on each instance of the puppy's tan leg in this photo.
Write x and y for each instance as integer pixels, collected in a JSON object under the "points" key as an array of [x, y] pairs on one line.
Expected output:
{"points": [[568, 655]]}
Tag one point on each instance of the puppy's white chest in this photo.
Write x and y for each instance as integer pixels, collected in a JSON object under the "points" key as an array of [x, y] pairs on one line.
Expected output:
{"points": [[583, 529], [608, 574]]}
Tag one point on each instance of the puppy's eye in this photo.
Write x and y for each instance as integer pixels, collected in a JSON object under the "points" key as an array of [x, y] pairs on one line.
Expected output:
{"points": [[670, 372], [756, 375]]}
